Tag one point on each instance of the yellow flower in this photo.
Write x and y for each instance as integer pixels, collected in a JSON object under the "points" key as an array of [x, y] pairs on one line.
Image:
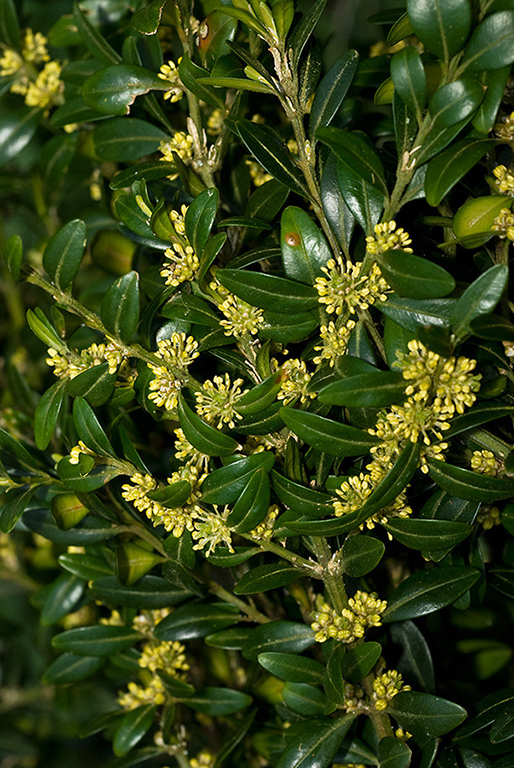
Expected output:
{"points": [[295, 383], [34, 47], [137, 695], [345, 288], [48, 88], [169, 72], [167, 656], [504, 180], [385, 688], [215, 122], [257, 173], [335, 340], [388, 238], [217, 400], [485, 462], [240, 318], [182, 145], [210, 530], [182, 264], [504, 223]]}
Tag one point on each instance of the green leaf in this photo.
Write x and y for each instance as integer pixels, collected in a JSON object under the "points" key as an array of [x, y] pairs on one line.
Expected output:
{"points": [[196, 620], [502, 579], [87, 567], [224, 486], [120, 307], [331, 91], [69, 668], [415, 277], [356, 155], [443, 26], [480, 298], [100, 640], [132, 728], [339, 216], [393, 753], [16, 130], [230, 639], [260, 397], [62, 598], [92, 530], [456, 101], [412, 314], [490, 708], [93, 40], [493, 327], [304, 29], [445, 170], [84, 477], [422, 714], [177, 688], [96, 384], [147, 20], [306, 699], [409, 79], [293, 668], [373, 390], [89, 429], [14, 503], [113, 90], [401, 29], [129, 138], [438, 138], [9, 26], [271, 152], [14, 454], [415, 661], [304, 248], [495, 80], [251, 507], [466, 484], [239, 83], [172, 495], [150, 592], [200, 218], [192, 75], [428, 534], [269, 291], [316, 744], [47, 413], [64, 252], [502, 729], [327, 435], [132, 216], [147, 171], [360, 197], [218, 701], [333, 681], [428, 591], [288, 328], [299, 497], [361, 554], [278, 636], [13, 255], [492, 43], [266, 577], [359, 661], [74, 111], [201, 435]]}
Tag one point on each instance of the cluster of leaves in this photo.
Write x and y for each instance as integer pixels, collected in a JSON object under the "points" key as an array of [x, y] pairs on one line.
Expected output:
{"points": [[250, 527]]}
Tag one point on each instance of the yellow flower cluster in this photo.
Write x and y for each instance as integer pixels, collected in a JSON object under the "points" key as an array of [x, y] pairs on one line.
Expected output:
{"points": [[176, 353], [67, 364], [345, 288], [169, 72], [296, 381], [146, 621], [137, 695], [504, 180], [167, 656], [215, 122], [335, 340], [504, 129], [364, 611], [41, 88], [184, 450], [264, 531], [218, 399], [182, 145], [241, 319], [488, 517], [257, 173], [385, 687], [388, 238], [182, 264], [485, 462], [204, 759], [210, 530], [504, 224]]}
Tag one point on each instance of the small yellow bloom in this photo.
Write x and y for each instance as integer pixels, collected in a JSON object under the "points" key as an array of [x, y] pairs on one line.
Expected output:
{"points": [[388, 238], [504, 180], [217, 400]]}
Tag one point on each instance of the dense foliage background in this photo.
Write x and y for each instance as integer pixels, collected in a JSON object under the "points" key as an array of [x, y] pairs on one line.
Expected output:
{"points": [[256, 386]]}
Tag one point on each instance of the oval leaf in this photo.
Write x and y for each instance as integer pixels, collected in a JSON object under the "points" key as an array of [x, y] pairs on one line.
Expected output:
{"points": [[269, 291], [414, 277], [64, 252], [113, 90], [120, 307], [424, 714], [304, 248], [428, 591], [266, 577], [327, 435], [373, 390]]}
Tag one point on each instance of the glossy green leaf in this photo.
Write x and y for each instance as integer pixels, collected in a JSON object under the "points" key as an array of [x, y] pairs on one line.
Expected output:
{"points": [[100, 640], [502, 579], [132, 728], [147, 171], [393, 753], [339, 216], [114, 89], [495, 80], [240, 83], [224, 486], [128, 211], [120, 307], [306, 699], [14, 503], [490, 708], [271, 152], [9, 26], [172, 495], [359, 661], [176, 687], [146, 20], [14, 454], [442, 26], [130, 138], [361, 554], [251, 507], [150, 592], [74, 110], [480, 298], [300, 497], [87, 567], [231, 639], [64, 252], [293, 668], [304, 248], [288, 328], [456, 101], [95, 384], [411, 314], [414, 277], [304, 29], [492, 43], [373, 390], [355, 154], [218, 701], [62, 598], [438, 138], [428, 591], [12, 252], [466, 484], [428, 534], [415, 661], [262, 578], [363, 199], [196, 620], [278, 637], [16, 130], [331, 91], [91, 531], [260, 397], [445, 170], [327, 435], [89, 429], [409, 79], [269, 291], [493, 327], [200, 218], [503, 728], [201, 435], [70, 668], [401, 29], [84, 477], [333, 682], [46, 414], [93, 40], [423, 714], [315, 746]]}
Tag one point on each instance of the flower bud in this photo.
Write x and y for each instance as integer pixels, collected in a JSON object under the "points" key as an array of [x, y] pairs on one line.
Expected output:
{"points": [[133, 561], [67, 510], [473, 222]]}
